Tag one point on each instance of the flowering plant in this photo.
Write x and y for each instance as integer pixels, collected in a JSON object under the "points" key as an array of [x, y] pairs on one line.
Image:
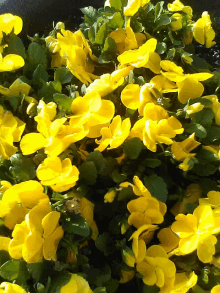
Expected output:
{"points": [[110, 154]]}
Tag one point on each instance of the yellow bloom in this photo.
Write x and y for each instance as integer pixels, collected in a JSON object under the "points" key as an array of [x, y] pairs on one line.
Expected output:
{"points": [[126, 276], [140, 238], [213, 199], [6, 287], [110, 196], [187, 164], [107, 83], [168, 239], [115, 134], [11, 129], [60, 175], [38, 236], [176, 24], [181, 150], [8, 22], [192, 195], [133, 6], [183, 283], [188, 84], [194, 108], [16, 202], [127, 39], [146, 210], [178, 6], [144, 56], [55, 136], [195, 232], [156, 268], [76, 284], [10, 62], [216, 289], [138, 187], [203, 31]]}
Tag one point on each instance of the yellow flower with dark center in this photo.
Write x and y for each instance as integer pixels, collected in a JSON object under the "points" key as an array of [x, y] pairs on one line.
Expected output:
{"points": [[11, 129], [38, 236], [16, 201], [133, 6], [181, 150], [178, 6], [196, 232], [59, 175], [7, 287], [189, 85], [76, 284], [203, 31], [144, 56], [146, 210], [156, 268], [115, 134], [126, 39], [176, 23]]}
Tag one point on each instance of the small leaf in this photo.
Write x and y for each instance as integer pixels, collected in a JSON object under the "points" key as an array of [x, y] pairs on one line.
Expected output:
{"points": [[37, 55], [199, 130], [158, 9], [64, 102], [204, 117], [161, 48], [116, 4], [157, 187], [78, 226], [40, 76], [97, 158], [133, 147], [125, 194], [63, 75], [22, 168], [151, 163], [10, 270], [15, 46], [88, 172]]}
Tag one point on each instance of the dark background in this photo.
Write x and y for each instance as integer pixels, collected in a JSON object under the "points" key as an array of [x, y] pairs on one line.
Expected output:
{"points": [[38, 15]]}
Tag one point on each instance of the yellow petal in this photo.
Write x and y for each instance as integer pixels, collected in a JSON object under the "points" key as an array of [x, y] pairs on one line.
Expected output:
{"points": [[32, 142], [32, 249], [50, 223], [130, 96], [189, 89], [51, 243]]}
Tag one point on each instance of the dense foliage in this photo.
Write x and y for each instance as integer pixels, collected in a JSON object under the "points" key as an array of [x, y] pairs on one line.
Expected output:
{"points": [[110, 156]]}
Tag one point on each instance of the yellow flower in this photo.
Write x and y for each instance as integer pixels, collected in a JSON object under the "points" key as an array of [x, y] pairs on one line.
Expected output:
{"points": [[140, 238], [203, 31], [4, 186], [146, 210], [168, 239], [126, 276], [187, 164], [213, 199], [144, 56], [76, 284], [107, 83], [110, 196], [192, 195], [176, 23], [194, 108], [38, 236], [127, 39], [55, 136], [138, 187], [188, 84], [182, 283], [16, 201], [10, 62], [11, 129], [133, 6], [8, 22], [156, 268], [181, 150], [216, 289], [6, 287], [178, 6], [215, 107], [115, 134], [195, 232], [59, 175]]}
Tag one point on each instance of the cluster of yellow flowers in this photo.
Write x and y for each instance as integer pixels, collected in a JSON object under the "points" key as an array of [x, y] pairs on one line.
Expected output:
{"points": [[143, 96]]}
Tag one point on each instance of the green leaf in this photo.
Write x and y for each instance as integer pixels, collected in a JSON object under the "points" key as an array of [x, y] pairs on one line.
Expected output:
{"points": [[151, 163], [104, 243], [116, 21], [59, 281], [157, 187], [199, 130], [190, 207], [162, 21], [205, 156], [37, 55], [115, 225], [171, 54], [49, 89], [110, 46], [133, 147], [10, 270], [99, 276], [205, 170], [90, 14], [35, 270], [100, 290], [63, 75], [101, 35], [213, 134], [23, 169], [40, 76], [205, 102], [158, 9], [125, 194], [97, 158], [117, 177], [111, 285], [150, 289], [116, 4], [78, 226], [64, 102], [199, 64], [4, 257], [161, 48], [88, 172], [204, 117], [15, 46]]}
